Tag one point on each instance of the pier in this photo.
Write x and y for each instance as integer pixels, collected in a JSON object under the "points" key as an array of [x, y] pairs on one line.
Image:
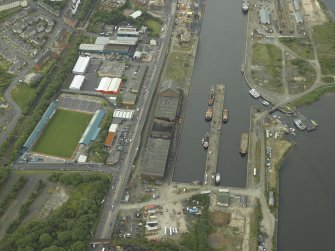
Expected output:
{"points": [[214, 136]]}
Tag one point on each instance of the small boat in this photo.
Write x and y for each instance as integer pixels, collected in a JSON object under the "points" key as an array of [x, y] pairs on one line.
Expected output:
{"points": [[209, 114], [245, 7], [254, 93], [217, 178], [298, 123], [225, 115], [211, 97], [206, 141], [266, 103], [314, 123]]}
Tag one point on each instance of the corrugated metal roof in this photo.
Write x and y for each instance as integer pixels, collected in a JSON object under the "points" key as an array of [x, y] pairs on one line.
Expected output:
{"points": [[81, 65], [264, 15], [102, 40], [92, 128], [113, 128], [109, 139], [40, 126], [124, 114], [91, 47], [77, 82]]}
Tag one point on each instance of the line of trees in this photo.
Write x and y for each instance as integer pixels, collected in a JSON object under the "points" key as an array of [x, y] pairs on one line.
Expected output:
{"points": [[69, 227], [24, 210], [18, 185], [4, 174]]}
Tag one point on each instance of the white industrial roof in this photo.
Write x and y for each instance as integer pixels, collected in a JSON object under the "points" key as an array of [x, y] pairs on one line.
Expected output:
{"points": [[114, 85], [125, 41], [124, 114], [82, 158], [113, 128], [153, 42], [136, 14], [91, 47], [77, 82], [104, 84], [81, 65], [102, 40]]}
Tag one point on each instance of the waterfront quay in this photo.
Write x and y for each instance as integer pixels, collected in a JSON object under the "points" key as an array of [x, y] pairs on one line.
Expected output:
{"points": [[214, 136]]}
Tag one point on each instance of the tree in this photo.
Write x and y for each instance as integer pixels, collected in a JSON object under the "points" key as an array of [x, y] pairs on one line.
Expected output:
{"points": [[53, 248], [78, 246], [119, 99], [45, 240]]}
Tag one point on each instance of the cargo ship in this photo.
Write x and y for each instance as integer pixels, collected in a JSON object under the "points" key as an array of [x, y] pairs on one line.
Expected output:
{"points": [[205, 141], [244, 144], [211, 97], [245, 7], [209, 114], [298, 123], [217, 178], [225, 115], [254, 93]]}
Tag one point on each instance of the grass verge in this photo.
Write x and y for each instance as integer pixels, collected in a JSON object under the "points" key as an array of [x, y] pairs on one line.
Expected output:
{"points": [[301, 47], [23, 95], [154, 27], [324, 38], [63, 133], [268, 58], [313, 96]]}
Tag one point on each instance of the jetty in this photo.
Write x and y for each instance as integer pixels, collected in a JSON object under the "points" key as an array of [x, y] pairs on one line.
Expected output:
{"points": [[214, 136]]}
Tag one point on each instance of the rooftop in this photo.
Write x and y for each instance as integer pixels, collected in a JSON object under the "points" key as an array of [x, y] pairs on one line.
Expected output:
{"points": [[112, 69], [155, 157]]}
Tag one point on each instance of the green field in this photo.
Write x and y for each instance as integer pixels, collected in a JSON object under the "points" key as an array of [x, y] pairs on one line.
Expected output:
{"points": [[154, 27], [23, 95], [63, 133]]}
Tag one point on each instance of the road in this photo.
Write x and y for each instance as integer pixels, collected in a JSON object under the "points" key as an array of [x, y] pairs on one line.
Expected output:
{"points": [[66, 167], [113, 198]]}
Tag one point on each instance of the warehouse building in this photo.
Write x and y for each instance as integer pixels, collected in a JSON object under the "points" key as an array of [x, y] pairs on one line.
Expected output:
{"points": [[102, 40], [155, 159], [81, 65], [91, 48], [123, 114], [77, 82], [131, 41], [111, 69], [127, 32], [111, 134], [109, 85], [93, 129]]}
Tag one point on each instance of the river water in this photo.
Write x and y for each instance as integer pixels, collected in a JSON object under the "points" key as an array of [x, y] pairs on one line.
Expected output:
{"points": [[307, 187], [219, 58], [307, 177]]}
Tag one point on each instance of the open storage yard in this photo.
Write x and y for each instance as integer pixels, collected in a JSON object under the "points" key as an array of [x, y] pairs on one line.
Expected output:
{"points": [[62, 134]]}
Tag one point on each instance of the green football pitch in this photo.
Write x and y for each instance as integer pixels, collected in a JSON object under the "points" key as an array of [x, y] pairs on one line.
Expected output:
{"points": [[62, 134]]}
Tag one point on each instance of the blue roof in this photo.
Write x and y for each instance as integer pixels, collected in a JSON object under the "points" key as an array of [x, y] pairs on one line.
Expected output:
{"points": [[91, 130], [96, 133], [40, 126]]}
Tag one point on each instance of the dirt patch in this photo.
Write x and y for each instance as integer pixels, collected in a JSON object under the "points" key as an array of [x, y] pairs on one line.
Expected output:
{"points": [[218, 241], [219, 219], [313, 12], [57, 198]]}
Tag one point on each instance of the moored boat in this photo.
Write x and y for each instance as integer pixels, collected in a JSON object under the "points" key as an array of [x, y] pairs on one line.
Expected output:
{"points": [[245, 7], [254, 93], [244, 143], [225, 115], [266, 103], [206, 141], [209, 114], [211, 97], [299, 124], [217, 178]]}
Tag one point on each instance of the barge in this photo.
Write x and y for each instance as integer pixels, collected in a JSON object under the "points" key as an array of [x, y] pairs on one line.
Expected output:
{"points": [[244, 144]]}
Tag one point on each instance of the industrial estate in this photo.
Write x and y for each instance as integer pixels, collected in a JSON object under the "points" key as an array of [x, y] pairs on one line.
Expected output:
{"points": [[95, 99]]}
